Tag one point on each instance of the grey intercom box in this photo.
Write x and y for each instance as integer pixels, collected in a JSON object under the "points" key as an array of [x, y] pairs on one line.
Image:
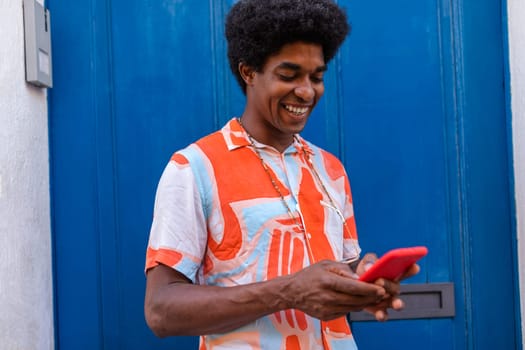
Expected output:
{"points": [[37, 30]]}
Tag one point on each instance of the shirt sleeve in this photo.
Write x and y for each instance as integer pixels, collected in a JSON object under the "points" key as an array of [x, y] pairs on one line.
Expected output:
{"points": [[178, 231]]}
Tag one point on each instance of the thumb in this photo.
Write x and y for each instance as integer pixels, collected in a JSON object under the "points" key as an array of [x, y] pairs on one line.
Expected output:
{"points": [[366, 263]]}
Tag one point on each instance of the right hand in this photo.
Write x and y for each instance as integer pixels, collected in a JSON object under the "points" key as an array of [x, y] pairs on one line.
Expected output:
{"points": [[329, 289]]}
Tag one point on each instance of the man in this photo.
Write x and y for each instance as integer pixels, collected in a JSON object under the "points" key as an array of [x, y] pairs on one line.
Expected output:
{"points": [[251, 222]]}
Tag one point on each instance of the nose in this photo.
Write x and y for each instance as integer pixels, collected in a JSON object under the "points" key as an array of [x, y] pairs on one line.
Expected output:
{"points": [[305, 91]]}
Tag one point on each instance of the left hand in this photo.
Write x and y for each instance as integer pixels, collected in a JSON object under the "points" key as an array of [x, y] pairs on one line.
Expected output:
{"points": [[391, 299]]}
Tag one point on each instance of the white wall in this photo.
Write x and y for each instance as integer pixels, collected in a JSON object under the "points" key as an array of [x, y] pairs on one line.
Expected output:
{"points": [[516, 14], [26, 316]]}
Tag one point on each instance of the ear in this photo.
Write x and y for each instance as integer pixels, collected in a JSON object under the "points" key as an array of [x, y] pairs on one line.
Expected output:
{"points": [[247, 73]]}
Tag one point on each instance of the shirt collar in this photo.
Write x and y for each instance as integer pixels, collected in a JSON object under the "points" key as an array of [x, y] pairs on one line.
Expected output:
{"points": [[236, 137]]}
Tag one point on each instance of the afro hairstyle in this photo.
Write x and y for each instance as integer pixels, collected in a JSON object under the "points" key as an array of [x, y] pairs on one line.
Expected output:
{"points": [[258, 29]]}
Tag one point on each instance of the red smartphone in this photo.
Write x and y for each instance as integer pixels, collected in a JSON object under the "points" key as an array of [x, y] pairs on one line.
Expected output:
{"points": [[394, 263]]}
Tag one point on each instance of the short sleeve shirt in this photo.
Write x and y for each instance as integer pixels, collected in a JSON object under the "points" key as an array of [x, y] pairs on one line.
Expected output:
{"points": [[220, 219]]}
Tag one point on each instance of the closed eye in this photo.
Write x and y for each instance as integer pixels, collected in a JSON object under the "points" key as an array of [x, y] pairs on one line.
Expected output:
{"points": [[285, 77], [316, 79]]}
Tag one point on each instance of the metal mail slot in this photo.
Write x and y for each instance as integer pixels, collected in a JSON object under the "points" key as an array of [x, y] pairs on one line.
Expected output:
{"points": [[429, 300]]}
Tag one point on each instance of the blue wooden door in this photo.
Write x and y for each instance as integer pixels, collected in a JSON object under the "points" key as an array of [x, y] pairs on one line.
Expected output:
{"points": [[415, 107]]}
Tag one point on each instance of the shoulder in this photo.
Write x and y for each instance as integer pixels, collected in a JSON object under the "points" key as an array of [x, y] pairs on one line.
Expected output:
{"points": [[197, 151]]}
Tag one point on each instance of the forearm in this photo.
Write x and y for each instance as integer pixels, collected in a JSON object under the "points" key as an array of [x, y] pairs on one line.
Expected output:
{"points": [[187, 309], [325, 290]]}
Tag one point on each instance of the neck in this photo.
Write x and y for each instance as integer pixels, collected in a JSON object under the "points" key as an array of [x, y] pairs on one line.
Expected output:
{"points": [[263, 135]]}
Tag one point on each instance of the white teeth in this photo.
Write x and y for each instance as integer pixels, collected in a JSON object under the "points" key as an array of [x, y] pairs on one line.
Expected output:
{"points": [[296, 110]]}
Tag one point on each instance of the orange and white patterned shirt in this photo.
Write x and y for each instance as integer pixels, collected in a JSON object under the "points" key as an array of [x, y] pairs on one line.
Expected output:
{"points": [[219, 220]]}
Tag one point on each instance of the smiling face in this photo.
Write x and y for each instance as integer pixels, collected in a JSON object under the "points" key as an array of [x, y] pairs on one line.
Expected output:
{"points": [[281, 97]]}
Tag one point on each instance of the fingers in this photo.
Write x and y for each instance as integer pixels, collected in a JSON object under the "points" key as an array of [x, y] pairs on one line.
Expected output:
{"points": [[380, 311], [381, 315], [397, 304], [392, 288], [355, 287], [413, 270], [343, 270], [368, 260], [350, 283]]}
